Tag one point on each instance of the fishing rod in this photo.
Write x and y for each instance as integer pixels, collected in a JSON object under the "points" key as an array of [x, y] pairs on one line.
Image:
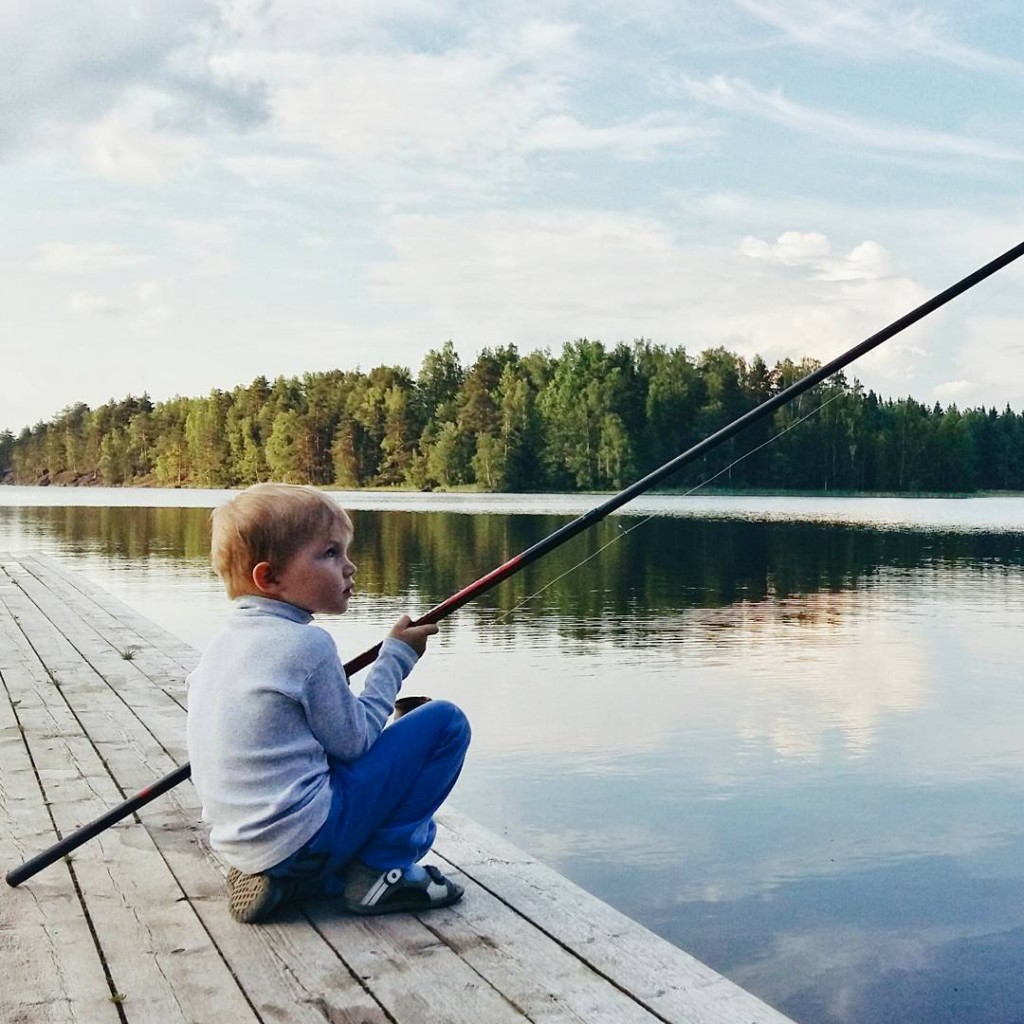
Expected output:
{"points": [[560, 536]]}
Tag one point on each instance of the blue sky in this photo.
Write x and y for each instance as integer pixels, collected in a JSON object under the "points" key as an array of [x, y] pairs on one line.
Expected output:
{"points": [[197, 193]]}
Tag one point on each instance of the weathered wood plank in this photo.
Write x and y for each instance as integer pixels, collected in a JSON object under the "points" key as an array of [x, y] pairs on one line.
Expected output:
{"points": [[159, 655], [155, 949], [99, 605], [549, 983], [41, 984], [73, 641], [289, 972], [665, 979], [416, 976]]}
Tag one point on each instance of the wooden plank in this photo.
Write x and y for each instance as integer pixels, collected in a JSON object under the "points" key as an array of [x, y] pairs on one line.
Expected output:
{"points": [[669, 982], [416, 976], [79, 642], [153, 652], [157, 641], [41, 984], [549, 983], [287, 969], [155, 948]]}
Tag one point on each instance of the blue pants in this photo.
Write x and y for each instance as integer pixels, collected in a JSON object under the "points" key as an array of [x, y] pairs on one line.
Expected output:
{"points": [[382, 805]]}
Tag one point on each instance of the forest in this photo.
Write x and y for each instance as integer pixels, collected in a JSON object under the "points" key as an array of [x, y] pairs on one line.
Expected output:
{"points": [[590, 418]]}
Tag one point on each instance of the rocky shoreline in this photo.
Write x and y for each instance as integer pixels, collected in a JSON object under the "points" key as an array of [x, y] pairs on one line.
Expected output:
{"points": [[65, 478]]}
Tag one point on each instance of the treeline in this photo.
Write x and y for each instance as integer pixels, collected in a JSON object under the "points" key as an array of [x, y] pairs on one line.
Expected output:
{"points": [[591, 418]]}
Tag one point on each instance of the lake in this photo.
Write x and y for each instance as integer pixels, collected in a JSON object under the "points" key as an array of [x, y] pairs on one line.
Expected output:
{"points": [[786, 734]]}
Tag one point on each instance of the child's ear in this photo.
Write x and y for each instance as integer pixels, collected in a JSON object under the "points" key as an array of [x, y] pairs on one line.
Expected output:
{"points": [[264, 578]]}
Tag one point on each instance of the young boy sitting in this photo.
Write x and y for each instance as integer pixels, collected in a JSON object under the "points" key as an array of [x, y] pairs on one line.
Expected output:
{"points": [[304, 789]]}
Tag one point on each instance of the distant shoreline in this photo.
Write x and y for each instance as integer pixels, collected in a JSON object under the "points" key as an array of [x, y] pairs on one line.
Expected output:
{"points": [[69, 480]]}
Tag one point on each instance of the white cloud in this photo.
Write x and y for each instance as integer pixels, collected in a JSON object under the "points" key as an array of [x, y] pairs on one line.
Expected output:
{"points": [[643, 139], [812, 250], [111, 86], [867, 261], [584, 273], [871, 30], [739, 96], [205, 246], [538, 38], [990, 359], [145, 304], [87, 304], [792, 249], [153, 307], [323, 25], [270, 169], [821, 318], [621, 277], [129, 144], [380, 113], [84, 257], [954, 391], [437, 121], [255, 130]]}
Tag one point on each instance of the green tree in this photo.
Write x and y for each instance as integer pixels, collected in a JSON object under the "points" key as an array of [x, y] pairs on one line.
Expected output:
{"points": [[30, 454], [614, 452], [170, 450], [375, 416], [590, 418], [208, 452], [7, 444], [286, 449], [521, 431], [571, 406], [446, 456], [489, 462], [674, 393], [586, 448], [344, 456], [115, 458], [439, 383], [399, 433], [325, 396], [243, 426]]}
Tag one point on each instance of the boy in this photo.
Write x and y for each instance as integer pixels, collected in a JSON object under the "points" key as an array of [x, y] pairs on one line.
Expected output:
{"points": [[304, 789]]}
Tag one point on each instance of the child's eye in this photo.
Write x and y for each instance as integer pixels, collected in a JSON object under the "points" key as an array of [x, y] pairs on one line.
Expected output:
{"points": [[331, 553]]}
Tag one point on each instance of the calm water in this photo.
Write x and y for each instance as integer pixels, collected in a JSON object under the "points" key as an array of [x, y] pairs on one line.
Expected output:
{"points": [[787, 734]]}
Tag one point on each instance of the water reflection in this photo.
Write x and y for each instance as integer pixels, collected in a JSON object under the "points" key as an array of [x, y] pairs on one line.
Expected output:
{"points": [[635, 568], [790, 745]]}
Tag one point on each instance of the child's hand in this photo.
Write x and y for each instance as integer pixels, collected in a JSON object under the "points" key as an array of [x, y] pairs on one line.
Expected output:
{"points": [[414, 636]]}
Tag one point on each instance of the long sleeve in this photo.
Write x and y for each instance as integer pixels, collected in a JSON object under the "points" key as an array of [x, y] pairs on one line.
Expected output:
{"points": [[347, 725]]}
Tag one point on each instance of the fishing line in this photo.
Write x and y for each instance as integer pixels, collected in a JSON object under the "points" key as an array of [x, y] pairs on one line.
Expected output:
{"points": [[624, 532]]}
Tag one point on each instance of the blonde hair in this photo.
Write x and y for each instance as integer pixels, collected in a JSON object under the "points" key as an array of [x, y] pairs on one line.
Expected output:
{"points": [[268, 523]]}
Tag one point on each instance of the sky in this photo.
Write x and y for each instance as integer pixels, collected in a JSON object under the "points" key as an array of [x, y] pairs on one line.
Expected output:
{"points": [[194, 194]]}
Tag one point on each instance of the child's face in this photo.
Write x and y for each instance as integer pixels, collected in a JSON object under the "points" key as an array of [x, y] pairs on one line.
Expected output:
{"points": [[319, 577]]}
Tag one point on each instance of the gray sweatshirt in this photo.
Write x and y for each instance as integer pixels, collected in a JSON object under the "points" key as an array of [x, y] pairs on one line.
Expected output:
{"points": [[268, 704]]}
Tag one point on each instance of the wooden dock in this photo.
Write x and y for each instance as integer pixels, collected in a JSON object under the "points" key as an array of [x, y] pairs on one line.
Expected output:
{"points": [[134, 927]]}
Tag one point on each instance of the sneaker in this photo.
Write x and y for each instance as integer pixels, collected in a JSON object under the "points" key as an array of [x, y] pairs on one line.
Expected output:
{"points": [[252, 898], [371, 891]]}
